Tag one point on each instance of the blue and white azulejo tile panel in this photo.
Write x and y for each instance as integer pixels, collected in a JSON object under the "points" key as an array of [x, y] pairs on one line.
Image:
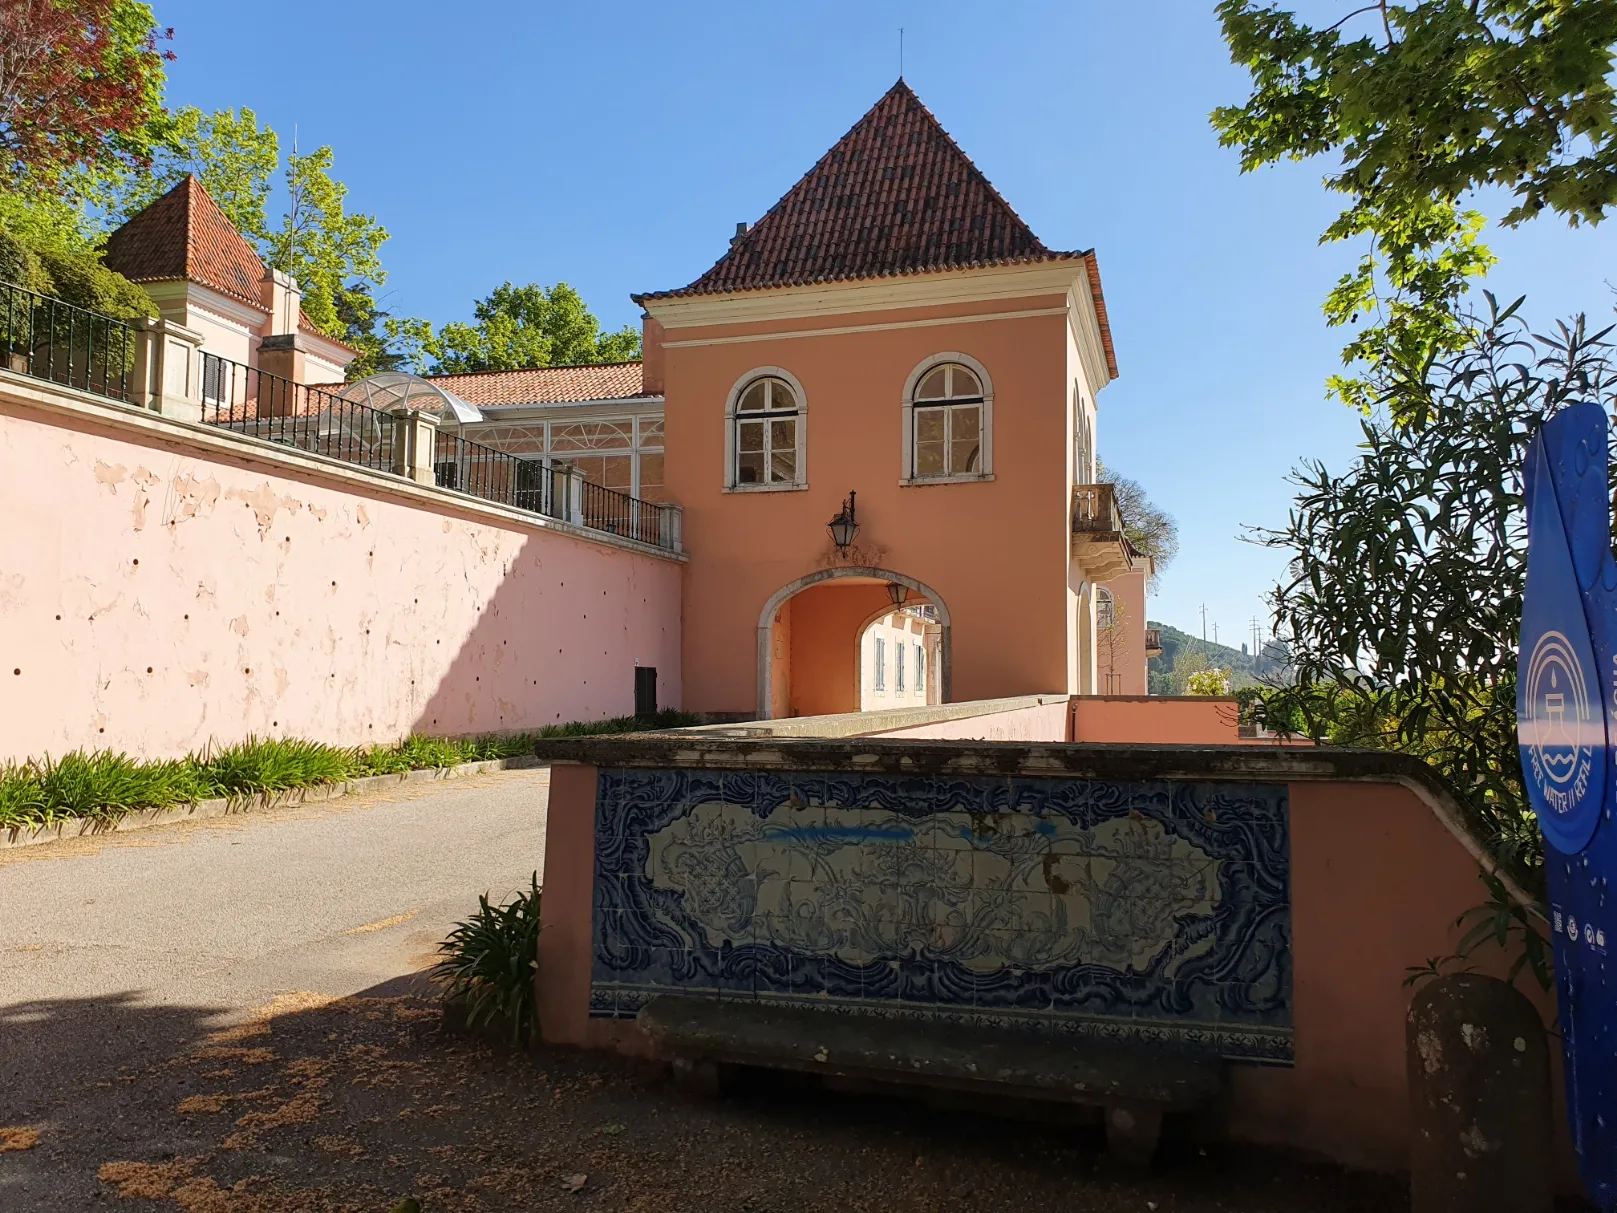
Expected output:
{"points": [[1155, 911]]}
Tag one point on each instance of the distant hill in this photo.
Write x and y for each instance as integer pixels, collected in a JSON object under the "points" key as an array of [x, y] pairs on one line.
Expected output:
{"points": [[1246, 669]]}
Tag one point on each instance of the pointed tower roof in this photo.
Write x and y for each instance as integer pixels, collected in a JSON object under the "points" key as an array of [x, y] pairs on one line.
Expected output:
{"points": [[185, 236], [895, 195]]}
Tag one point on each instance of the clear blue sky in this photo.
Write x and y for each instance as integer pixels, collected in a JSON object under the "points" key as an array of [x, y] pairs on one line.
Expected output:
{"points": [[615, 146]]}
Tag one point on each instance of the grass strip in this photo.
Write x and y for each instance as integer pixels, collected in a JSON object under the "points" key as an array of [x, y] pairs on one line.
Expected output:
{"points": [[104, 785]]}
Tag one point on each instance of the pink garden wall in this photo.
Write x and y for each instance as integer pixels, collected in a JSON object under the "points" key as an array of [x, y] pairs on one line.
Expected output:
{"points": [[161, 586]]}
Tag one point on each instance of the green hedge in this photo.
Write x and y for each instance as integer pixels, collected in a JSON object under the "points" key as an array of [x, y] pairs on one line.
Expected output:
{"points": [[104, 784], [74, 276]]}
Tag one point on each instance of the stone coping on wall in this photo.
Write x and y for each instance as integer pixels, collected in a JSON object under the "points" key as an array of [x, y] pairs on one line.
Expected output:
{"points": [[142, 425], [1117, 762], [861, 724]]}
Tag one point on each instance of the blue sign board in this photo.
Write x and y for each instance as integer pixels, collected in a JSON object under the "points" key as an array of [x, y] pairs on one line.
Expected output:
{"points": [[1566, 719]]}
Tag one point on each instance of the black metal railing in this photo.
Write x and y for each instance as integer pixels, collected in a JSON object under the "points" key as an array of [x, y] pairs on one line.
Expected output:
{"points": [[249, 401], [605, 509], [470, 467], [49, 339], [1094, 510]]}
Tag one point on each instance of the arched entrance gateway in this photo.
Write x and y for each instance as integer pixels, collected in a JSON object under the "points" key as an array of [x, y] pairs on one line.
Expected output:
{"points": [[809, 633]]}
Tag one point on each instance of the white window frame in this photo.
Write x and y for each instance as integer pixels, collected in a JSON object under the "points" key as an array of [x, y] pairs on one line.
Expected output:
{"points": [[898, 667], [881, 666], [736, 392], [985, 460], [1105, 609], [920, 670]]}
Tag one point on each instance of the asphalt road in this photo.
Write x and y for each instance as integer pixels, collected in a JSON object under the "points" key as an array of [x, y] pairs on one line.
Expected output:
{"points": [[115, 950]]}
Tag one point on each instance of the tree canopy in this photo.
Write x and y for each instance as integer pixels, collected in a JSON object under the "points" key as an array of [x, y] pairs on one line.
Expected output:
{"points": [[1150, 529], [1406, 572], [529, 326], [81, 82], [1422, 105]]}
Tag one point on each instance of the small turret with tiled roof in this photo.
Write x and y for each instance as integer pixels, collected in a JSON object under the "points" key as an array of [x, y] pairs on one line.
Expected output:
{"points": [[895, 195]]}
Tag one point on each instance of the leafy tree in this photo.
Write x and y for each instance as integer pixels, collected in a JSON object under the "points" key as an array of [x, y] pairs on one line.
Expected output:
{"points": [[1403, 598], [385, 342], [233, 157], [333, 253], [1423, 104], [80, 83], [1187, 664], [327, 249], [528, 326], [1150, 529], [1208, 682]]}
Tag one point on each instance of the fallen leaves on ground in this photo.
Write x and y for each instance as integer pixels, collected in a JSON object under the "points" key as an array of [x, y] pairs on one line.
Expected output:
{"points": [[18, 1139]]}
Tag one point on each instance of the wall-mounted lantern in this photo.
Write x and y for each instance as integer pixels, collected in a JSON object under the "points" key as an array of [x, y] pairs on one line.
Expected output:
{"points": [[898, 592], [844, 526]]}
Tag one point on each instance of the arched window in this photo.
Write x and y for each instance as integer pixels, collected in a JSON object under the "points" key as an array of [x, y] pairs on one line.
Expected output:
{"points": [[765, 439], [948, 423], [1105, 610]]}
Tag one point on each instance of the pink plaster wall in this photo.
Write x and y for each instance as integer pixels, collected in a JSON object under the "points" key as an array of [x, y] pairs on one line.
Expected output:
{"points": [[155, 595], [1124, 657], [1156, 719], [1045, 722], [996, 551]]}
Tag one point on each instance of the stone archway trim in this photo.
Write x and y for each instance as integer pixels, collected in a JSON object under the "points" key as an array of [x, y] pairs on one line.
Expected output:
{"points": [[766, 623]]}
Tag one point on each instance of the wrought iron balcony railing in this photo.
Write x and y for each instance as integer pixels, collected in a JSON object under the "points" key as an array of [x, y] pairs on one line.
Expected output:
{"points": [[49, 339]]}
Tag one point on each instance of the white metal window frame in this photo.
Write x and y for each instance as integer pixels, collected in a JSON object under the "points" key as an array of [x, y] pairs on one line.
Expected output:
{"points": [[985, 459], [731, 485], [880, 682], [543, 428]]}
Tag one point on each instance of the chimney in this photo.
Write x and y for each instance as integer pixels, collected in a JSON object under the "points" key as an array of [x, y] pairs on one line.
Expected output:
{"points": [[651, 355], [282, 351], [741, 234], [284, 300]]}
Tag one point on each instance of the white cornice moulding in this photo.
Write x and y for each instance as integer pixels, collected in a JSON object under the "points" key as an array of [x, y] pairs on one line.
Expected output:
{"points": [[843, 329], [223, 307], [871, 295], [618, 406]]}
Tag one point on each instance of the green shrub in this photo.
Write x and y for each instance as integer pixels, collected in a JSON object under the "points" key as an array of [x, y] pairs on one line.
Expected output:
{"points": [[275, 764], [81, 279], [22, 801], [488, 964], [104, 784], [668, 718], [20, 265]]}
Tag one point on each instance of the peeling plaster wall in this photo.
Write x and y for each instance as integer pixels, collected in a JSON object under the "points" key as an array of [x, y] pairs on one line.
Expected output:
{"points": [[155, 595]]}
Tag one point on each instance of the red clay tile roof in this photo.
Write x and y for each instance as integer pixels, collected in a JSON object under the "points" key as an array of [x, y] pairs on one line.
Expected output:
{"points": [[1100, 312], [895, 195], [546, 384], [184, 236]]}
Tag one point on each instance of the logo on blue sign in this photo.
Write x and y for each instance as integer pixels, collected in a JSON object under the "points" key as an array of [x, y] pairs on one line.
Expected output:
{"points": [[1560, 715], [1559, 730]]}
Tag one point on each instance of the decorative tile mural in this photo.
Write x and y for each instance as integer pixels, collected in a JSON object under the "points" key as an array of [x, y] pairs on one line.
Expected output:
{"points": [[1157, 911]]}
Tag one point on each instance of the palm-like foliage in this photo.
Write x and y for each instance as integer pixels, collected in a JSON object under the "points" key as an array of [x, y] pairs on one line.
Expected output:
{"points": [[489, 961], [1403, 599]]}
